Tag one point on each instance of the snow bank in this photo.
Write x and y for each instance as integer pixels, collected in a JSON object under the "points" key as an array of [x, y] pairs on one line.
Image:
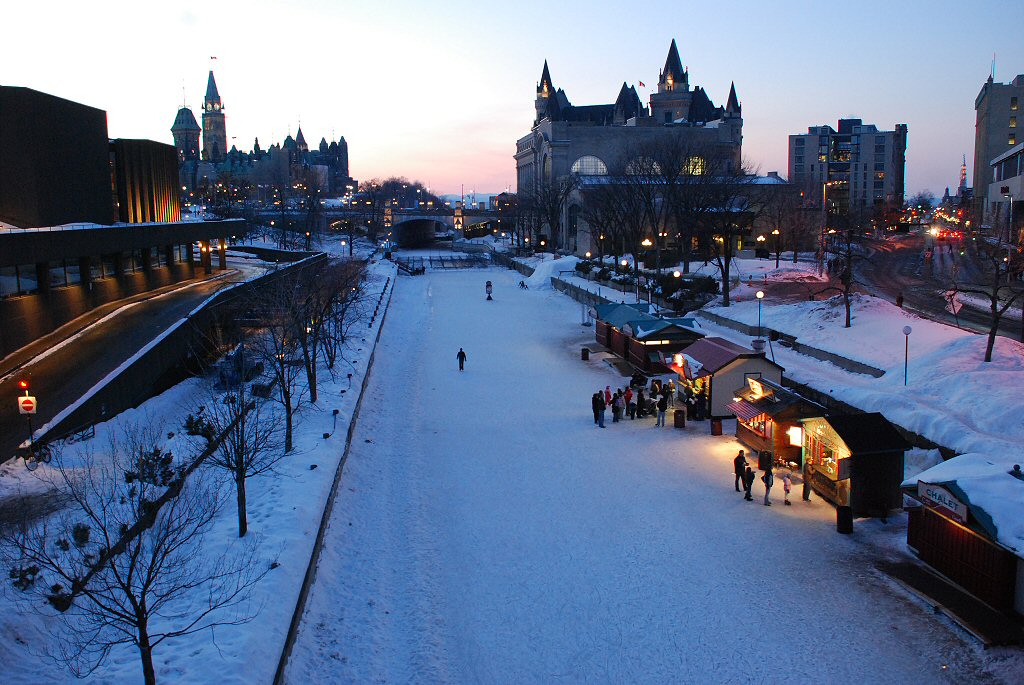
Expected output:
{"points": [[548, 266]]}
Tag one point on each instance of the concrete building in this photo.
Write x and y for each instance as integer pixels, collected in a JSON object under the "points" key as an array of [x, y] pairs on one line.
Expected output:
{"points": [[1006, 193], [588, 140], [54, 161], [998, 108], [863, 166]]}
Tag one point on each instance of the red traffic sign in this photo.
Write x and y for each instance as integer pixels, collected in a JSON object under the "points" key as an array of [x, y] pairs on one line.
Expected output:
{"points": [[27, 404]]}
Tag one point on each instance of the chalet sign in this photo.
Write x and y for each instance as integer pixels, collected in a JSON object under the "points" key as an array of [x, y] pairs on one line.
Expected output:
{"points": [[938, 497]]}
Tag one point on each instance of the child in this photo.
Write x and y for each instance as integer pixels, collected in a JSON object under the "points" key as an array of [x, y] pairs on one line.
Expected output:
{"points": [[787, 484]]}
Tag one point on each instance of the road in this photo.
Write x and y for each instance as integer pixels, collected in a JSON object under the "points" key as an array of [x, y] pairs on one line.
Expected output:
{"points": [[897, 266], [59, 375]]}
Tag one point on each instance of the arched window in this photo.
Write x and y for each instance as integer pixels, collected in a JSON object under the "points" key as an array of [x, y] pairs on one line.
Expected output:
{"points": [[589, 165], [643, 166], [695, 166]]}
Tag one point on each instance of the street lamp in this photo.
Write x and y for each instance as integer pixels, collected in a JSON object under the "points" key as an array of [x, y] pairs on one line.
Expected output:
{"points": [[775, 232], [906, 352], [760, 296], [760, 241]]}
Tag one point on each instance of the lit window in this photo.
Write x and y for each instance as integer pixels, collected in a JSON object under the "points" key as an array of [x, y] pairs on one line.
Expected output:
{"points": [[1013, 104], [1013, 139], [1013, 122], [695, 166], [589, 165]]}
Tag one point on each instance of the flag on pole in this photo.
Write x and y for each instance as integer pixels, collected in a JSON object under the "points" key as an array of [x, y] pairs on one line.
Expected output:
{"points": [[212, 57], [642, 84]]}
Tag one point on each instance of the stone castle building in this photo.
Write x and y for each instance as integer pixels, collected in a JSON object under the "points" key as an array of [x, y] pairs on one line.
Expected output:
{"points": [[589, 139], [282, 164]]}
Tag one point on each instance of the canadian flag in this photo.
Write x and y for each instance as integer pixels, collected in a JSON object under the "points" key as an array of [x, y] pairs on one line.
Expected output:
{"points": [[642, 84]]}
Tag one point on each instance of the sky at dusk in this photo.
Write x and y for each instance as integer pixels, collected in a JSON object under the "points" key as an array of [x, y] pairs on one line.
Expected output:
{"points": [[440, 91]]}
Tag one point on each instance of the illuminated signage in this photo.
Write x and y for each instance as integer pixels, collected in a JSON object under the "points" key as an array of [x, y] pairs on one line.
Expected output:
{"points": [[939, 497]]}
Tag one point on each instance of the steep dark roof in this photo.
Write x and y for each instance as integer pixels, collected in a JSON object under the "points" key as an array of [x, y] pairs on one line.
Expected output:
{"points": [[867, 433], [545, 78], [673, 66], [627, 104], [185, 121], [733, 105], [323, 145], [300, 139], [211, 88], [701, 107], [596, 114]]}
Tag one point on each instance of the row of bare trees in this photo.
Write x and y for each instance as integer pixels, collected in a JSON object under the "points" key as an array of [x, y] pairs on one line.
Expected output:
{"points": [[127, 558]]}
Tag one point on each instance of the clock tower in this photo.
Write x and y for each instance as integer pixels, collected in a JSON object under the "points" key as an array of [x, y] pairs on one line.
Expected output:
{"points": [[214, 133]]}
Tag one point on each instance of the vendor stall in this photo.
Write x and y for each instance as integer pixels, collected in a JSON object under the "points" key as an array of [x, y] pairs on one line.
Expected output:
{"points": [[768, 420], [609, 320], [713, 368], [650, 342], [855, 460], [966, 525]]}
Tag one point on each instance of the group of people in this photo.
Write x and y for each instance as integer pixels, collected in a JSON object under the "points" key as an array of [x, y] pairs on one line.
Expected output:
{"points": [[625, 403], [745, 475]]}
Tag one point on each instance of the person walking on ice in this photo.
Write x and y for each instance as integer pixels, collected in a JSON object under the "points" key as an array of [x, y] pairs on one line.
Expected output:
{"points": [[461, 356], [769, 480], [739, 467], [787, 485], [662, 408]]}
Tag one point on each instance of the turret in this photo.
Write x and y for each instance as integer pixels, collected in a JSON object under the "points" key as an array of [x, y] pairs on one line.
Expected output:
{"points": [[545, 95], [186, 132], [673, 76]]}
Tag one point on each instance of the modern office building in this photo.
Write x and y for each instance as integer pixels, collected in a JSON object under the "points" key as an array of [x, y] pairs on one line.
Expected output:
{"points": [[1006, 194], [863, 167], [54, 161], [998, 109], [145, 181]]}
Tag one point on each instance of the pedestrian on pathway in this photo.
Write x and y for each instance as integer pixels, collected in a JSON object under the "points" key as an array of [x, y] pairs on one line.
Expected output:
{"points": [[662, 408], [807, 482], [787, 485], [671, 393], [630, 405], [595, 403], [601, 405], [768, 479], [607, 394], [618, 404], [641, 403], [748, 484], [739, 467], [461, 356]]}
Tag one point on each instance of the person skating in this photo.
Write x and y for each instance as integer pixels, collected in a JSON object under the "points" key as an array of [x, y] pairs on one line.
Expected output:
{"points": [[595, 400], [630, 404], [787, 485], [618, 405], [601, 406], [739, 467], [461, 356], [489, 288], [748, 484], [662, 408], [768, 479], [641, 403]]}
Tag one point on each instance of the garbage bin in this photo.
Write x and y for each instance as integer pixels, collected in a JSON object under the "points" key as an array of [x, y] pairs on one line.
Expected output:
{"points": [[585, 354], [716, 426], [844, 520], [679, 418]]}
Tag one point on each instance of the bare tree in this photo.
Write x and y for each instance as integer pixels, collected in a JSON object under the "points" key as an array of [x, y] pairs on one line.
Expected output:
{"points": [[110, 587], [278, 346], [250, 446], [347, 308], [999, 282], [548, 197]]}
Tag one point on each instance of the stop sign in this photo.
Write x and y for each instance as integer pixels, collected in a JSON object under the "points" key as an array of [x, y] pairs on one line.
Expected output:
{"points": [[27, 404]]}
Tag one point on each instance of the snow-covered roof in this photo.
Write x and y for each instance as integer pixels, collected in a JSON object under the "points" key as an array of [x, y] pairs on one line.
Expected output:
{"points": [[994, 497]]}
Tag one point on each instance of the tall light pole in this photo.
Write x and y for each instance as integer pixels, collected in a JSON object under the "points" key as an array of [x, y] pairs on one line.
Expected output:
{"points": [[760, 296], [906, 352], [775, 232]]}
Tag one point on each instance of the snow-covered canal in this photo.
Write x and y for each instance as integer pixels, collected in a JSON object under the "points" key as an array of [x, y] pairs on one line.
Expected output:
{"points": [[487, 532]]}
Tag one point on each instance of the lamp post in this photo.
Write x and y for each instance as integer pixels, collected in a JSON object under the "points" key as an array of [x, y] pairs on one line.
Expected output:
{"points": [[775, 232], [824, 228], [906, 352], [760, 242]]}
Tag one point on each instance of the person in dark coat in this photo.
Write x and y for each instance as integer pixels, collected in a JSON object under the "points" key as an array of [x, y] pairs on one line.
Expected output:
{"points": [[748, 483], [769, 480], [461, 356], [641, 403], [594, 403], [739, 465], [601, 405], [807, 482], [662, 408]]}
